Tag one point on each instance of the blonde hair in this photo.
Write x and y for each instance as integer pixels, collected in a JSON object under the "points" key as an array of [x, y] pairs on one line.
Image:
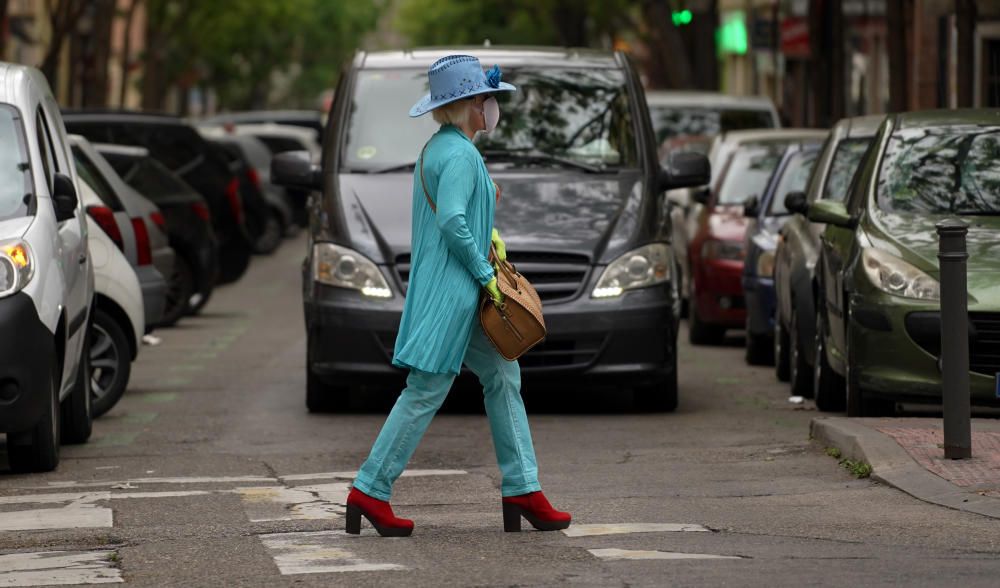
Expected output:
{"points": [[454, 113]]}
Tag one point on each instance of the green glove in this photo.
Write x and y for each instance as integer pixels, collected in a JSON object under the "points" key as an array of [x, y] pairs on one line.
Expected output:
{"points": [[499, 245], [494, 291]]}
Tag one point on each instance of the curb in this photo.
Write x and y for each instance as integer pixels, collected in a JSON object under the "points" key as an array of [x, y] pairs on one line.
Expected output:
{"points": [[892, 465]]}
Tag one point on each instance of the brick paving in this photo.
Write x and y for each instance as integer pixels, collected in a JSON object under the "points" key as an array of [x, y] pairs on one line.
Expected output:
{"points": [[925, 445]]}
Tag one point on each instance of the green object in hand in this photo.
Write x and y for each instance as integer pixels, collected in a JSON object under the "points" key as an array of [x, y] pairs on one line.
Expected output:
{"points": [[494, 291], [499, 245]]}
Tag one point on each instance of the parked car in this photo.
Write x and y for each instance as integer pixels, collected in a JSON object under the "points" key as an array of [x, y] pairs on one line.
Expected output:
{"points": [[253, 160], [309, 119], [765, 216], [178, 146], [581, 215], [46, 278], [189, 226], [133, 223], [118, 325], [743, 162], [879, 321], [684, 119], [798, 249]]}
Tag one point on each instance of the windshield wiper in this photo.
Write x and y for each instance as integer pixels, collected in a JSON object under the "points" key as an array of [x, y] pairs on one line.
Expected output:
{"points": [[392, 168], [979, 213], [541, 157]]}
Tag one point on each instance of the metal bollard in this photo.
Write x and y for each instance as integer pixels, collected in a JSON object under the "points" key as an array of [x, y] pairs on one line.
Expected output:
{"points": [[955, 397]]}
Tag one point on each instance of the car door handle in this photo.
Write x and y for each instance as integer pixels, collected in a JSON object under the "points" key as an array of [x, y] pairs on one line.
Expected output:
{"points": [[82, 259]]}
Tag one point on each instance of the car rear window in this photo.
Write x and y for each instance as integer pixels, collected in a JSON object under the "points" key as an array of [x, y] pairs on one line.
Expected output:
{"points": [[794, 178], [842, 168], [682, 121], [942, 170], [749, 169], [89, 173], [150, 177], [16, 197], [565, 112]]}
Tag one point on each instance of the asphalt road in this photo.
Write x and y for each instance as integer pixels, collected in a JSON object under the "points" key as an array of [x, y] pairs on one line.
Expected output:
{"points": [[211, 473]]}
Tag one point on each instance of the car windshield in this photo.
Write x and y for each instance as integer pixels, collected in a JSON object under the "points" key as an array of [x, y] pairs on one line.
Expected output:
{"points": [[942, 170], [794, 178], [749, 170], [845, 163], [579, 116], [16, 198], [682, 121]]}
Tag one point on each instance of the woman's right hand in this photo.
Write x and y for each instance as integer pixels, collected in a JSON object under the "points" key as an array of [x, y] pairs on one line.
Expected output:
{"points": [[494, 292]]}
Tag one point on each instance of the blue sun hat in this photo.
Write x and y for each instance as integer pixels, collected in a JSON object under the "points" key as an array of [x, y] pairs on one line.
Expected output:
{"points": [[455, 77]]}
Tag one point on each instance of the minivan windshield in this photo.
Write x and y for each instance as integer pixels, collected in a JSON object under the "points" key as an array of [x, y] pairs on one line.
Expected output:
{"points": [[694, 120], [574, 115], [749, 170], [16, 198], [942, 170]]}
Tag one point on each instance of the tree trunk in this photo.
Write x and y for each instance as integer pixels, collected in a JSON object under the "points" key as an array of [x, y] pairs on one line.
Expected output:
{"points": [[669, 65], [895, 20], [94, 84], [63, 16], [3, 30], [965, 17], [126, 57]]}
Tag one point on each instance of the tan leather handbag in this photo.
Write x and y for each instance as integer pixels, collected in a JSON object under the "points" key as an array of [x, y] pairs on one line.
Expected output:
{"points": [[515, 325]]}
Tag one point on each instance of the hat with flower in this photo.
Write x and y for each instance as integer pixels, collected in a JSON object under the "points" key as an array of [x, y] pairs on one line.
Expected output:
{"points": [[455, 77]]}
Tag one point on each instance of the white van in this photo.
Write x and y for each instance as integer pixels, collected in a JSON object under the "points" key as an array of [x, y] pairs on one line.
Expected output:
{"points": [[46, 278]]}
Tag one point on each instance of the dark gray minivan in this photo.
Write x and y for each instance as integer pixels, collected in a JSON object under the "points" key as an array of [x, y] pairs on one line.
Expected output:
{"points": [[581, 211]]}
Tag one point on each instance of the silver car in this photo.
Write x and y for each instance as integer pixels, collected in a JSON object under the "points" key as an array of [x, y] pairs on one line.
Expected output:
{"points": [[798, 249]]}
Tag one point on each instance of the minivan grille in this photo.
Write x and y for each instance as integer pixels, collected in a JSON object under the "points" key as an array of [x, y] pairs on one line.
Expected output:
{"points": [[984, 338], [556, 351], [556, 276]]}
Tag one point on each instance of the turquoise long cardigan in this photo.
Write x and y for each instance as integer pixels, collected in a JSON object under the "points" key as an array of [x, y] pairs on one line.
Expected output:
{"points": [[448, 265]]}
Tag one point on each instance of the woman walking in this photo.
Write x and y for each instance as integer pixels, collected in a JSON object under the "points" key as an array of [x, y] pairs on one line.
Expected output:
{"points": [[453, 204]]}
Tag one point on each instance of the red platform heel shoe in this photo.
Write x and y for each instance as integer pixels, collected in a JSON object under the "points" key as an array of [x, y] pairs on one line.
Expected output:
{"points": [[536, 508], [379, 514]]}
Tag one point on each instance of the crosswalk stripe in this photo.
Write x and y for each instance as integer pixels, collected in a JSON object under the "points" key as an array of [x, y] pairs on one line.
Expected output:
{"points": [[350, 475], [620, 554], [622, 528], [317, 553], [58, 568]]}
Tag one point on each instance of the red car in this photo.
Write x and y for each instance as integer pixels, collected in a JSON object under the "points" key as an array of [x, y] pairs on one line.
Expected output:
{"points": [[745, 160]]}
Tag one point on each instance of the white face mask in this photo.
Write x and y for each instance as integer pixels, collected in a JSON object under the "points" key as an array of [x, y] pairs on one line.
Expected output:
{"points": [[491, 113]]}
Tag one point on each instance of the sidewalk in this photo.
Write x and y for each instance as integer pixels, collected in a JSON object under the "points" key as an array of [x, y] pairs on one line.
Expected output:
{"points": [[907, 454]]}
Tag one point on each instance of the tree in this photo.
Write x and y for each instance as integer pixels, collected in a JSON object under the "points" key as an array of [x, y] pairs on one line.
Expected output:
{"points": [[63, 18]]}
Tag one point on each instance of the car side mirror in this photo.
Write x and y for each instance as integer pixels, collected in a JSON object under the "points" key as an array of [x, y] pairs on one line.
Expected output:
{"points": [[701, 195], [830, 212], [796, 202], [684, 170], [64, 198], [295, 169], [751, 208]]}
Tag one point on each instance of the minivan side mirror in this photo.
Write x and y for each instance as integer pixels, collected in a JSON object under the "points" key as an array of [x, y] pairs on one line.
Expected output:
{"points": [[830, 212], [684, 170], [797, 202], [751, 208], [64, 198], [295, 169], [701, 195]]}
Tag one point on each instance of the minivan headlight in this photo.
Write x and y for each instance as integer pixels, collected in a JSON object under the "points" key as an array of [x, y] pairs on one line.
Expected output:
{"points": [[646, 266], [897, 277], [16, 267], [345, 268]]}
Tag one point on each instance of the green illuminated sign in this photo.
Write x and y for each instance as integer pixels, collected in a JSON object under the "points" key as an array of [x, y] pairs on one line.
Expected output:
{"points": [[681, 17], [732, 35]]}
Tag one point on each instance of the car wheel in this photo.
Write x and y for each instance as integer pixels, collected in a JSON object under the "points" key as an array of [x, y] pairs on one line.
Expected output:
{"points": [[782, 355], [110, 362], [700, 333], [77, 419], [270, 234], [759, 348], [37, 449], [179, 291], [827, 384], [322, 397], [800, 373], [860, 404], [661, 396]]}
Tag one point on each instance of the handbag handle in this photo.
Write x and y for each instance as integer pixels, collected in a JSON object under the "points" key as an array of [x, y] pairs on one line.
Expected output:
{"points": [[423, 182]]}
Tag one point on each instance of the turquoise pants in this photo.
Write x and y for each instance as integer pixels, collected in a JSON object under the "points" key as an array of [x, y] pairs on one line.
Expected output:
{"points": [[423, 396]]}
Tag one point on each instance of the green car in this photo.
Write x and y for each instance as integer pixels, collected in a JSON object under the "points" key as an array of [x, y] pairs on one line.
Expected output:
{"points": [[878, 321]]}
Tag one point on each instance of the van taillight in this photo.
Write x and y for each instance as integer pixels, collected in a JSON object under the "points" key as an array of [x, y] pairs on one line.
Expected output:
{"points": [[105, 218], [254, 177], [158, 220], [201, 211], [233, 196], [145, 252]]}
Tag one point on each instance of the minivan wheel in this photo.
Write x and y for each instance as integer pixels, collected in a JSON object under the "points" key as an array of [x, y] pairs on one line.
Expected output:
{"points": [[660, 396], [828, 386], [180, 287], [782, 355], [700, 333], [270, 233], [800, 373], [860, 404], [110, 362], [77, 417], [37, 449], [322, 397], [759, 348]]}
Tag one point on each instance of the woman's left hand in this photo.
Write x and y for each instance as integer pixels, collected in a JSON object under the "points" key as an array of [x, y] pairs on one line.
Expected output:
{"points": [[498, 190], [499, 245]]}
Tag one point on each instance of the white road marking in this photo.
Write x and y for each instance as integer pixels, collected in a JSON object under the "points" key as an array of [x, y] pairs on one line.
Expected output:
{"points": [[58, 568], [191, 480], [621, 528], [79, 512], [317, 553], [618, 554], [353, 474]]}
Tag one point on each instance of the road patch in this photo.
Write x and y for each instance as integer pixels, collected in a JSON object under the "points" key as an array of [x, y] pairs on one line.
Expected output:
{"points": [[623, 528], [629, 554], [279, 503], [318, 553], [61, 568], [67, 511]]}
